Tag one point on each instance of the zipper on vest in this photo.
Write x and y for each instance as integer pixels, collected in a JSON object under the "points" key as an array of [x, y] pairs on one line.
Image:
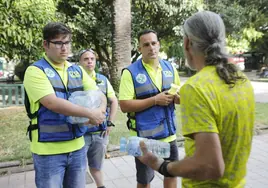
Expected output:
{"points": [[159, 91], [67, 94], [168, 123], [73, 130], [65, 88]]}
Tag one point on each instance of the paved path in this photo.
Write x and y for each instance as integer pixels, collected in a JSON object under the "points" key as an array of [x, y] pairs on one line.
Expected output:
{"points": [[119, 172], [261, 91]]}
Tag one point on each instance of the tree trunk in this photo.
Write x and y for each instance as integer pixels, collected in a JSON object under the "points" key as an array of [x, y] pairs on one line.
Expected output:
{"points": [[121, 44]]}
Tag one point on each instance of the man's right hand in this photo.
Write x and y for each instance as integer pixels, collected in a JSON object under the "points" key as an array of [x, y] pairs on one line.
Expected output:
{"points": [[96, 116], [163, 99]]}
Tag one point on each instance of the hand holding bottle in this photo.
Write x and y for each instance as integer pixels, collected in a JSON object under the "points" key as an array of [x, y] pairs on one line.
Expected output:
{"points": [[96, 116], [163, 98], [132, 146]]}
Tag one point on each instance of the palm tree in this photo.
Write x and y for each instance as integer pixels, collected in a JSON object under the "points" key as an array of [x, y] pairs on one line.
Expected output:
{"points": [[121, 40]]}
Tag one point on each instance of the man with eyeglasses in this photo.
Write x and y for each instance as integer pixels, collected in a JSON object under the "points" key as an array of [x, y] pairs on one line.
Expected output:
{"points": [[59, 154], [144, 96], [96, 137]]}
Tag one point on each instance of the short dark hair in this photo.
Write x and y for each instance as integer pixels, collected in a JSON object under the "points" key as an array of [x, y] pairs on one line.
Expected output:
{"points": [[146, 31], [53, 29]]}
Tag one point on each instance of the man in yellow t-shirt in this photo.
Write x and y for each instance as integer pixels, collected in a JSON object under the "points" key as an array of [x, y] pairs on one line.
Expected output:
{"points": [[58, 147], [217, 109], [96, 138], [144, 95]]}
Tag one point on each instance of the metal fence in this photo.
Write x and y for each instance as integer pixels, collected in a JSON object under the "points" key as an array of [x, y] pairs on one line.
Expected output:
{"points": [[11, 95]]}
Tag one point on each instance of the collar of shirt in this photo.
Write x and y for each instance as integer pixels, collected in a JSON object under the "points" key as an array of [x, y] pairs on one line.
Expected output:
{"points": [[92, 75], [66, 63], [149, 67]]}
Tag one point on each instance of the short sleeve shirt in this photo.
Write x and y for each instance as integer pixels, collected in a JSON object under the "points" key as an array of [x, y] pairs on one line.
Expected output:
{"points": [[38, 86], [127, 91], [210, 105]]}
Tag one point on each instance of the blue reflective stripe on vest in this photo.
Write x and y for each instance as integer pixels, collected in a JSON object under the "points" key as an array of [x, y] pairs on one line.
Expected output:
{"points": [[148, 133], [158, 121], [101, 81], [53, 126]]}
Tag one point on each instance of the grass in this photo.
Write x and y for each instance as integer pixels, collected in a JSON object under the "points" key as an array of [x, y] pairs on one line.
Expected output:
{"points": [[261, 118], [14, 144], [261, 80]]}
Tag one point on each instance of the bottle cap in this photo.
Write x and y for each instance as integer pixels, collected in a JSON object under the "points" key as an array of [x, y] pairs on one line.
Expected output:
{"points": [[173, 89]]}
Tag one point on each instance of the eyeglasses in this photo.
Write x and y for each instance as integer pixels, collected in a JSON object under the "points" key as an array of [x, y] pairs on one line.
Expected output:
{"points": [[84, 51], [59, 44]]}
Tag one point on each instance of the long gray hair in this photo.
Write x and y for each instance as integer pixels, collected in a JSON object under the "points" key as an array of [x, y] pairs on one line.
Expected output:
{"points": [[206, 32]]}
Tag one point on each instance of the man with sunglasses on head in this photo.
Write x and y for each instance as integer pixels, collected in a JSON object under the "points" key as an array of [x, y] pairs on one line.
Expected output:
{"points": [[59, 154], [96, 137]]}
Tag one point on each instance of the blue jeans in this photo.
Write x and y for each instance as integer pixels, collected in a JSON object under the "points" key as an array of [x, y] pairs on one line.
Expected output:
{"points": [[63, 170]]}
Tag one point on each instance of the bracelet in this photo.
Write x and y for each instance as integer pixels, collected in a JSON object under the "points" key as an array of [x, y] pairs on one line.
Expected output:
{"points": [[163, 169]]}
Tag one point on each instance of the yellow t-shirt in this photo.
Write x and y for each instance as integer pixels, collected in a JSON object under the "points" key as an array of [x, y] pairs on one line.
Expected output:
{"points": [[38, 86], [127, 91], [209, 105], [110, 89]]}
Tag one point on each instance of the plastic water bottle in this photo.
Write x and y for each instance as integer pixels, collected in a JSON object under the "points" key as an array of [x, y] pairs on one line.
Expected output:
{"points": [[132, 146], [174, 89], [123, 144]]}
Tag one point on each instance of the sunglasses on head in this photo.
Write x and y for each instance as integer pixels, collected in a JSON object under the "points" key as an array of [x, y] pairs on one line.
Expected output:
{"points": [[84, 51]]}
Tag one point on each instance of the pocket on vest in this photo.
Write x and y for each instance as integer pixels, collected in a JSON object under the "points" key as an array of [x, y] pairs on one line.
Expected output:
{"points": [[53, 133], [152, 129]]}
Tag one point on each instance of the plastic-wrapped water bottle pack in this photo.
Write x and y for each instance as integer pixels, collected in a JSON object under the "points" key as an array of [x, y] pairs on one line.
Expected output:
{"points": [[89, 99]]}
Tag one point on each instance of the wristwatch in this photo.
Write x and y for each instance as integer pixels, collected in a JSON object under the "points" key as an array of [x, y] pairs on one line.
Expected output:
{"points": [[110, 124]]}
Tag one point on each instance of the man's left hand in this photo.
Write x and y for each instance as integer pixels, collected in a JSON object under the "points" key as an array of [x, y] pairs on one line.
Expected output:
{"points": [[148, 158]]}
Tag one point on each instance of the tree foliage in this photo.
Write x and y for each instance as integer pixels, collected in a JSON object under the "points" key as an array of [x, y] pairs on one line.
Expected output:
{"points": [[246, 21], [21, 23], [259, 21], [91, 21], [163, 16]]}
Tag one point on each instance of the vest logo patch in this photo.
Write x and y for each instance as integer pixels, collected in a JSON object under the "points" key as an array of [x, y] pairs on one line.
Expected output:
{"points": [[50, 73], [168, 73], [141, 78], [74, 74]]}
